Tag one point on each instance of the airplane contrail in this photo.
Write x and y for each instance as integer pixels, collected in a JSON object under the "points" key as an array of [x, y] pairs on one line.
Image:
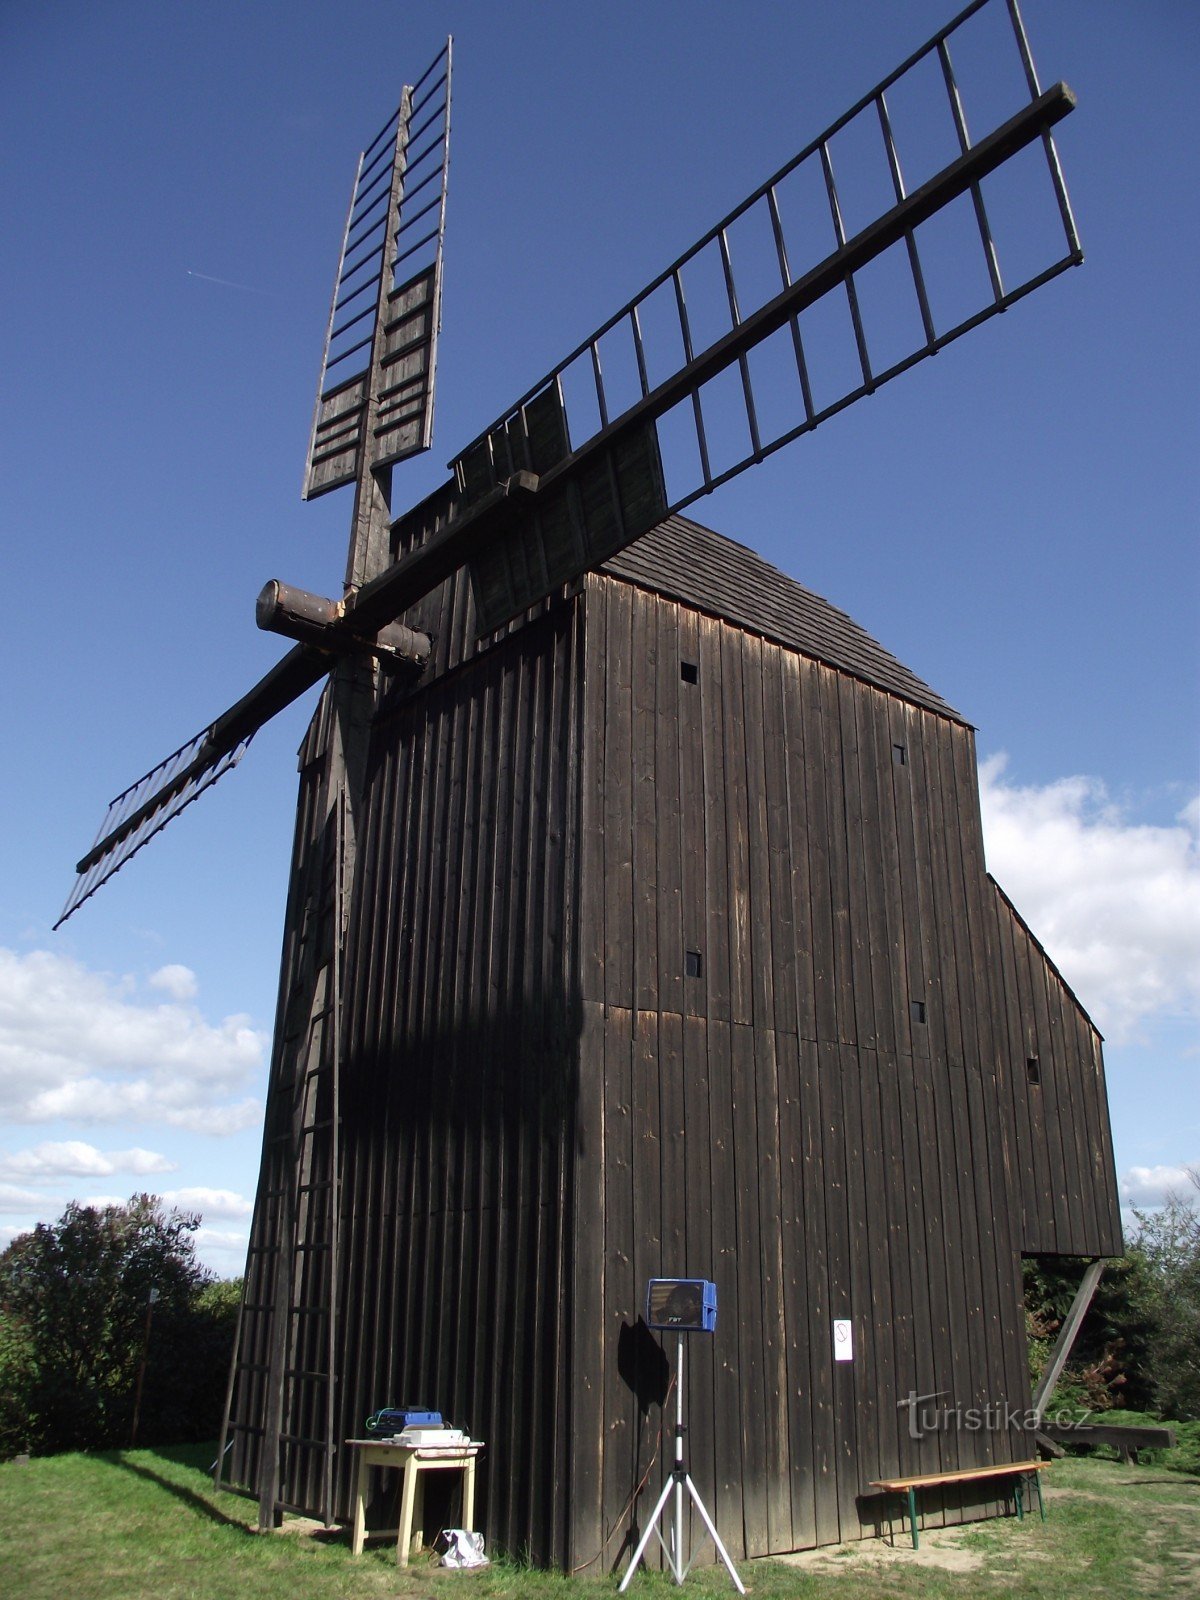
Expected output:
{"points": [[225, 282]]}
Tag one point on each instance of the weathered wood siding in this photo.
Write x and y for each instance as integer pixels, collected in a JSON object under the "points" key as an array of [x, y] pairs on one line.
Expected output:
{"points": [[545, 1100], [1066, 1184], [457, 1094], [784, 1121]]}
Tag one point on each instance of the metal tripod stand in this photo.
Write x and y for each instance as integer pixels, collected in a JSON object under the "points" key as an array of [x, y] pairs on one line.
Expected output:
{"points": [[679, 1480]]}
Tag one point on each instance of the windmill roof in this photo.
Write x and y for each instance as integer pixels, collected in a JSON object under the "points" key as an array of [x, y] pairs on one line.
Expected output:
{"points": [[701, 568]]}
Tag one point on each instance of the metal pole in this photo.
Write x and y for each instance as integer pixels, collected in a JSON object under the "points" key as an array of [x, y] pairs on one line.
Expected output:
{"points": [[679, 1473]]}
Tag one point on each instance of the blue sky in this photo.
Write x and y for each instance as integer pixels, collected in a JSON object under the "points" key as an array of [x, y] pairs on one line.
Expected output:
{"points": [[1016, 519]]}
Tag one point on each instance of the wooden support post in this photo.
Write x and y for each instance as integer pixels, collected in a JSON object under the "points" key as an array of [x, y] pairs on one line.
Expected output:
{"points": [[1066, 1340]]}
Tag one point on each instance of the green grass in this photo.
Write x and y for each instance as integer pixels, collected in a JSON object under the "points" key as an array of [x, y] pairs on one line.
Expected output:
{"points": [[147, 1525]]}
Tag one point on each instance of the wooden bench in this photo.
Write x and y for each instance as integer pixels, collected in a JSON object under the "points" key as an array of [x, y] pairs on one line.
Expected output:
{"points": [[1007, 1469]]}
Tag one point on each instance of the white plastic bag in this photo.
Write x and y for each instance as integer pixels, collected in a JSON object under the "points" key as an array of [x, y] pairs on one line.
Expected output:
{"points": [[463, 1548]]}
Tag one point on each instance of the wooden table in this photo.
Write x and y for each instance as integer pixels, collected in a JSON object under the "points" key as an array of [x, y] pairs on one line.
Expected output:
{"points": [[412, 1462]]}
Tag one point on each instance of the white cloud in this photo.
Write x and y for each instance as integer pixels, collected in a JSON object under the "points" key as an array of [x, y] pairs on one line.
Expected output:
{"points": [[210, 1202], [81, 1045], [14, 1199], [1115, 902], [222, 1252], [179, 982], [74, 1159], [1150, 1186]]}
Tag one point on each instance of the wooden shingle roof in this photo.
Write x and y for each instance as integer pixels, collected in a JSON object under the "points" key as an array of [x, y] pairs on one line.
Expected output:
{"points": [[690, 563]]}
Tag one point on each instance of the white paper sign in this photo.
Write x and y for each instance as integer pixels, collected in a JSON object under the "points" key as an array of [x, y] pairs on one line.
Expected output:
{"points": [[843, 1340]]}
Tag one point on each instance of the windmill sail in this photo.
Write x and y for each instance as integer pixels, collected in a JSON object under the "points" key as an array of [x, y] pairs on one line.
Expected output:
{"points": [[375, 393], [665, 401], [374, 407], [145, 808]]}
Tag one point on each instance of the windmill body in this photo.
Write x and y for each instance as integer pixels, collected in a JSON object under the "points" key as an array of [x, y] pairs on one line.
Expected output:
{"points": [[673, 950], [638, 923]]}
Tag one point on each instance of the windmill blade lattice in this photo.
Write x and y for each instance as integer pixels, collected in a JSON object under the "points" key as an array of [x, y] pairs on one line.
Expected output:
{"points": [[377, 373], [690, 414]]}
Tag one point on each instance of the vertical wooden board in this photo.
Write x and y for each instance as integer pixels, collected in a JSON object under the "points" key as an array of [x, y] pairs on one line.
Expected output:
{"points": [[644, 800], [620, 1296], [673, 1159], [715, 951], [784, 951], [729, 1380], [796, 1269], [794, 673], [997, 1199], [754, 1398], [936, 1372], [737, 827], [817, 758], [820, 1195], [1012, 1045], [912, 1038], [525, 755], [693, 819], [593, 785], [648, 1154], [756, 662], [670, 820], [701, 1257], [646, 1252], [455, 1000], [836, 833], [930, 1046], [1114, 1243], [945, 1022], [541, 932], [885, 1308], [1052, 1117], [911, 1326], [1087, 1116], [863, 1208], [618, 802], [974, 1206], [862, 859], [875, 764], [773, 1219], [445, 887], [574, 888], [841, 1374]]}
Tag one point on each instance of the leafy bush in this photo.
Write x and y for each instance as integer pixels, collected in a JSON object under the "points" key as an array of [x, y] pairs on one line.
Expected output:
{"points": [[1139, 1345], [95, 1301]]}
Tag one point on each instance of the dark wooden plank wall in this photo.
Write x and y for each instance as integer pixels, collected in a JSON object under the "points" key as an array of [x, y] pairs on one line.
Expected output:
{"points": [[541, 1108], [1068, 1190], [297, 1155], [459, 1084], [782, 1121]]}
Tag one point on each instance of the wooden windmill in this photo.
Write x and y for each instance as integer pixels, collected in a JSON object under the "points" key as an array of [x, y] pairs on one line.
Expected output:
{"points": [[638, 922]]}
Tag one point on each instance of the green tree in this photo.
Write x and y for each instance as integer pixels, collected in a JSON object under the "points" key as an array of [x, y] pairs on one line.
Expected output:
{"points": [[1168, 1241], [1139, 1345], [74, 1296]]}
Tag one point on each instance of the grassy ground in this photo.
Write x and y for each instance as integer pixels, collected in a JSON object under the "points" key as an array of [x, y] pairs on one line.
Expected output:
{"points": [[147, 1525]]}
